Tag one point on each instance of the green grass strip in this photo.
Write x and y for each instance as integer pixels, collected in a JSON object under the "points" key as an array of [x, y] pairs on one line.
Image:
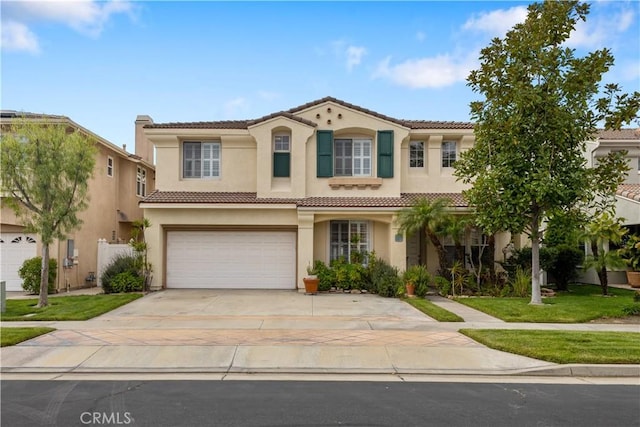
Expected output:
{"points": [[563, 346], [582, 303], [80, 307], [432, 310], [13, 336]]}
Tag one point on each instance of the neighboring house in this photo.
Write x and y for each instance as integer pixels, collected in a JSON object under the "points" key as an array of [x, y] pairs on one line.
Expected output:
{"points": [[120, 180], [252, 203], [628, 194]]}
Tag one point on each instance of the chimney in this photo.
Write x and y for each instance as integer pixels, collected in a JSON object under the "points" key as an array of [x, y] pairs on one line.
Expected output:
{"points": [[144, 147]]}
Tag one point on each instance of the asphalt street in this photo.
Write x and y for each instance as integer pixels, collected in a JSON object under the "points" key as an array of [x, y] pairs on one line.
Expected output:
{"points": [[305, 403]]}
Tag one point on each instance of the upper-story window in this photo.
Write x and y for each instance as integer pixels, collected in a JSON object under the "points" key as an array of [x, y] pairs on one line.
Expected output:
{"points": [[281, 155], [448, 154], [109, 166], [352, 157], [416, 154], [141, 182], [200, 159]]}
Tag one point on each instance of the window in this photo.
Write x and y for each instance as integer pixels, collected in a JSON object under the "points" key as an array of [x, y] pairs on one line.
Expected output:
{"points": [[416, 154], [349, 240], [448, 154], [109, 166], [281, 155], [352, 157], [200, 159], [141, 182]]}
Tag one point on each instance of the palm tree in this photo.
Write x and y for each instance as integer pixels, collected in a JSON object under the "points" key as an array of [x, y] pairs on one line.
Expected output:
{"points": [[602, 230], [456, 226], [428, 216]]}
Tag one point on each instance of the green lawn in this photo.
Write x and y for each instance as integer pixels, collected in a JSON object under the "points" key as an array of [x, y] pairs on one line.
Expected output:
{"points": [[13, 336], [80, 307], [582, 303], [432, 310], [563, 346]]}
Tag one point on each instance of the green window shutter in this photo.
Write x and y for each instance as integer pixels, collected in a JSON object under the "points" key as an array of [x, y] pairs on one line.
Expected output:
{"points": [[385, 154], [281, 164], [324, 147]]}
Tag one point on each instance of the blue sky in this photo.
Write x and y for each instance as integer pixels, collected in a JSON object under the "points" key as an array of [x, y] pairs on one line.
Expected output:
{"points": [[103, 63]]}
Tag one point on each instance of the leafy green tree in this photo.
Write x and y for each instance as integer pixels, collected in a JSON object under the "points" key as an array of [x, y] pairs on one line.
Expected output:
{"points": [[540, 107], [456, 227], [602, 231], [427, 216], [45, 168]]}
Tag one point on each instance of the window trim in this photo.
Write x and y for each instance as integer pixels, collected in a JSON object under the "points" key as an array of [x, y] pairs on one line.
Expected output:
{"points": [[359, 223], [354, 142], [412, 144], [141, 181], [110, 166], [448, 162], [281, 134], [213, 160]]}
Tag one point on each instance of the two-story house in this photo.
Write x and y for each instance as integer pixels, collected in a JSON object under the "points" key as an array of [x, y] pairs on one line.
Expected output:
{"points": [[252, 203], [120, 180]]}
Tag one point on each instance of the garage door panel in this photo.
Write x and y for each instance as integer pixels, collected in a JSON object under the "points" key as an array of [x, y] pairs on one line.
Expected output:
{"points": [[231, 259], [15, 248]]}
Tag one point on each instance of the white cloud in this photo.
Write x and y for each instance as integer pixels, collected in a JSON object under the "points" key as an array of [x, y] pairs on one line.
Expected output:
{"points": [[601, 27], [354, 56], [434, 72], [17, 37], [87, 17], [496, 22], [234, 107]]}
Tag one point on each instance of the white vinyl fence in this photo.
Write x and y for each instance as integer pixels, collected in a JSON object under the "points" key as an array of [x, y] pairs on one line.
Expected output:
{"points": [[107, 252]]}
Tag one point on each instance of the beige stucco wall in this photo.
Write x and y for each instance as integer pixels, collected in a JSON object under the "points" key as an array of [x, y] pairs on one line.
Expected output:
{"points": [[108, 195]]}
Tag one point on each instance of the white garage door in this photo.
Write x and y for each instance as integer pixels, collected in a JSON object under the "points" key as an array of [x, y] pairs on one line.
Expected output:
{"points": [[15, 248], [231, 259]]}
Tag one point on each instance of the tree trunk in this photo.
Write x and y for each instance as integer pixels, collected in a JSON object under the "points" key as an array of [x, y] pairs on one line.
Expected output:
{"points": [[43, 300], [604, 280], [459, 252], [442, 254], [536, 297], [491, 246]]}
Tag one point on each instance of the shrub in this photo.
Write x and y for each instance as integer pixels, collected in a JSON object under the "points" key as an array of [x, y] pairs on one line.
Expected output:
{"points": [[443, 285], [562, 262], [126, 281], [636, 296], [632, 309], [384, 278], [325, 275], [30, 271], [122, 263], [520, 258], [521, 283]]}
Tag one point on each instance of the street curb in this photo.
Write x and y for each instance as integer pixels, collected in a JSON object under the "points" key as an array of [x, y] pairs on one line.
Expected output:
{"points": [[573, 370]]}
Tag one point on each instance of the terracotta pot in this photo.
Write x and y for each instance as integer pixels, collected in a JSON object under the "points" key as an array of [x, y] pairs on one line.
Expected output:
{"points": [[633, 277], [411, 289], [311, 285]]}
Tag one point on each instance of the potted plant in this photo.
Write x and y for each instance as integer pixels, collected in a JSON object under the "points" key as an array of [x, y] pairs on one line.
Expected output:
{"points": [[410, 278], [311, 281], [630, 252]]}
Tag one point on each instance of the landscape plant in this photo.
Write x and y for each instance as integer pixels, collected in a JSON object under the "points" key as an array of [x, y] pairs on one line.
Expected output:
{"points": [[44, 172], [540, 104], [30, 272]]}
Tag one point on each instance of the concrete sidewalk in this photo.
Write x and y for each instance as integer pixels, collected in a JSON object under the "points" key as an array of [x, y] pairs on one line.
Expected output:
{"points": [[254, 332]]}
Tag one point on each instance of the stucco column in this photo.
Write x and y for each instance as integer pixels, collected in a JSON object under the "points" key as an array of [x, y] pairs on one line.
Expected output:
{"points": [[397, 245], [155, 254], [305, 245]]}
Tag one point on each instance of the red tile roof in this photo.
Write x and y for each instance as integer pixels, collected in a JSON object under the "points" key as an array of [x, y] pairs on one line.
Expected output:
{"points": [[619, 134], [197, 197], [291, 114], [630, 191]]}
